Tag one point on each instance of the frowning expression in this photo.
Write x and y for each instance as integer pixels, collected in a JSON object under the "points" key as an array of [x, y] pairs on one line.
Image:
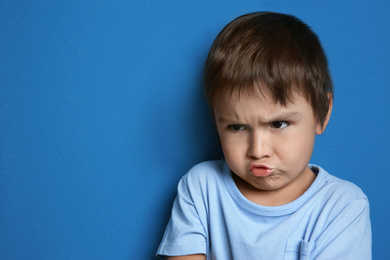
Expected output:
{"points": [[267, 145]]}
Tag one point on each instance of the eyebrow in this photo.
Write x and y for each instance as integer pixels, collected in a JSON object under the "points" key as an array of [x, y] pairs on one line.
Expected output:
{"points": [[284, 116], [278, 117]]}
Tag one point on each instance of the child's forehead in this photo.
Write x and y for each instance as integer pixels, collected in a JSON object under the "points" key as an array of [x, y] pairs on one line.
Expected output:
{"points": [[260, 109]]}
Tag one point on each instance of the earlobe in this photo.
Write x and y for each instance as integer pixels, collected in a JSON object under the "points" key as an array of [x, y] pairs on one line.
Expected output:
{"points": [[321, 128]]}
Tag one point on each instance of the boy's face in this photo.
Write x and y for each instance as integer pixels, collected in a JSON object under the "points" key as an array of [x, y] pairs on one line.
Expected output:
{"points": [[268, 146]]}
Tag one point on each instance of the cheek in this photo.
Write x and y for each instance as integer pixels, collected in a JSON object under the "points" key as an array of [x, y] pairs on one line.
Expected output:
{"points": [[229, 149], [233, 148], [298, 148]]}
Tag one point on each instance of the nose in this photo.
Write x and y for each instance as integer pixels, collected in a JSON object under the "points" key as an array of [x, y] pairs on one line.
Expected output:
{"points": [[259, 145]]}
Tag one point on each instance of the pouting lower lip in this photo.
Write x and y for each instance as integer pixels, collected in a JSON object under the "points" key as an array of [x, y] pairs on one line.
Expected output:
{"points": [[261, 166], [260, 170]]}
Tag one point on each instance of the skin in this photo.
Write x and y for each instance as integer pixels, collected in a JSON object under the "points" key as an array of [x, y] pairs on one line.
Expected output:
{"points": [[254, 130]]}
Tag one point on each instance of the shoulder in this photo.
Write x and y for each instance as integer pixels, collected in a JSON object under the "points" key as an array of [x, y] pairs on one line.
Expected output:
{"points": [[344, 187], [204, 172], [339, 191], [342, 220], [208, 166], [337, 204], [202, 184], [202, 177]]}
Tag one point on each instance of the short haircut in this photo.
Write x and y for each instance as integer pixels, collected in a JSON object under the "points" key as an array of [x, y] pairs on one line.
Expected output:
{"points": [[269, 50]]}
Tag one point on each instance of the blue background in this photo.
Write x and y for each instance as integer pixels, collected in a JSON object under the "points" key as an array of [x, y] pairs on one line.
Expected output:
{"points": [[102, 112]]}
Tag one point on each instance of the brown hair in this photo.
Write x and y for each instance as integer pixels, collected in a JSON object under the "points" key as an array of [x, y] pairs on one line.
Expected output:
{"points": [[271, 50]]}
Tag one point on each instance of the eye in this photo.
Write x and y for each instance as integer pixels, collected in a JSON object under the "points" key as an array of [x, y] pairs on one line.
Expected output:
{"points": [[237, 128], [279, 124]]}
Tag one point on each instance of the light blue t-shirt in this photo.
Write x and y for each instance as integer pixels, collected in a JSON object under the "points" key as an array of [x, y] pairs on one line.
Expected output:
{"points": [[210, 216]]}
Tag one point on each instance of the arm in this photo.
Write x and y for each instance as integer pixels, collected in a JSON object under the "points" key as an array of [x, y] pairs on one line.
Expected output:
{"points": [[185, 236], [188, 257]]}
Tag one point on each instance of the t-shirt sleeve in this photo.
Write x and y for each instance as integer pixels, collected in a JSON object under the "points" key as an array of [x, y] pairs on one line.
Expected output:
{"points": [[348, 236], [185, 233]]}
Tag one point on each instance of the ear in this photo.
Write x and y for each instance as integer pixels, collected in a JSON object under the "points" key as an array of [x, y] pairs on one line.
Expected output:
{"points": [[321, 128]]}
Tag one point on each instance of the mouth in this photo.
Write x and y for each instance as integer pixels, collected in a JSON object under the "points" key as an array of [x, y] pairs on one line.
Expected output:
{"points": [[260, 170]]}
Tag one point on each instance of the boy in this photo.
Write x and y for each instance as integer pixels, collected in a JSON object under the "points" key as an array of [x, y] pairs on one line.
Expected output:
{"points": [[270, 90]]}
